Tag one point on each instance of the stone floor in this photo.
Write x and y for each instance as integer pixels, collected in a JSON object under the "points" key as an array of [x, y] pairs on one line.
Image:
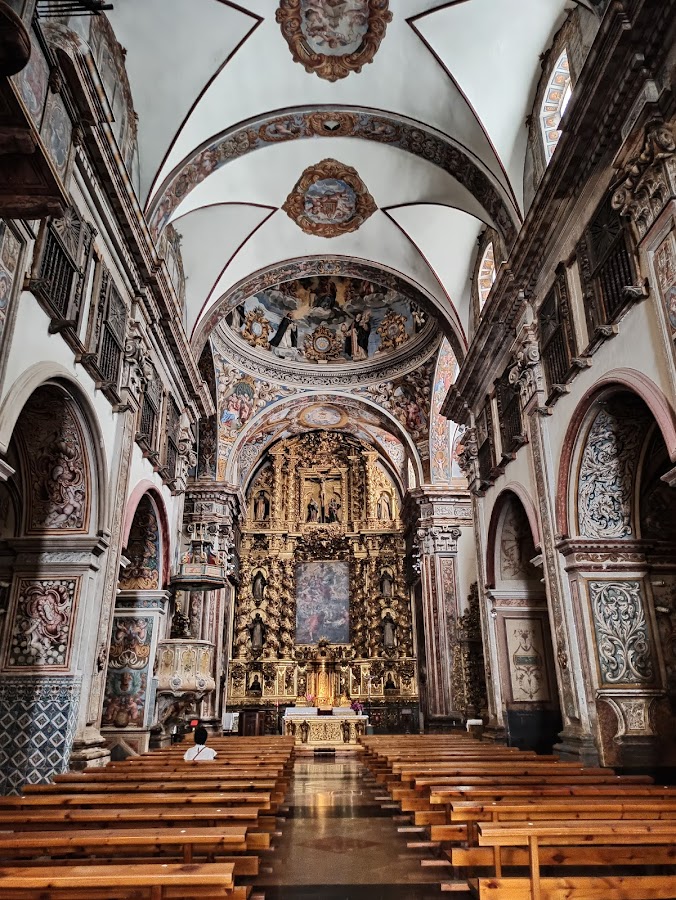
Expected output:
{"points": [[339, 843]]}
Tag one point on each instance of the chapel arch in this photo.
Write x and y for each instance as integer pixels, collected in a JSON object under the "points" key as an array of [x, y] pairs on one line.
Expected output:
{"points": [[519, 639], [50, 509], [620, 558], [139, 624]]}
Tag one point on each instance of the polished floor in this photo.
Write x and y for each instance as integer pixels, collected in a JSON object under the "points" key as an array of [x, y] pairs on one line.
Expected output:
{"points": [[339, 843]]}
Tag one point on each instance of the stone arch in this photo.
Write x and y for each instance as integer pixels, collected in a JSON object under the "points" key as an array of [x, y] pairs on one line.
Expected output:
{"points": [[620, 555], [146, 488], [46, 373], [519, 632], [511, 491], [633, 381]]}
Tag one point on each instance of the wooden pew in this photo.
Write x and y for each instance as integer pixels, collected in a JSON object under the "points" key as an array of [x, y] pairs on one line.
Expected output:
{"points": [[257, 800], [159, 881], [598, 844]]}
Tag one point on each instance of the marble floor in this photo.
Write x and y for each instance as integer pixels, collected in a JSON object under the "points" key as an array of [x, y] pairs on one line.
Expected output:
{"points": [[338, 843]]}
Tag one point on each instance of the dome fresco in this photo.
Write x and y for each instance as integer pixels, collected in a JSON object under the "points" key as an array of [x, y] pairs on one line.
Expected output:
{"points": [[326, 319]]}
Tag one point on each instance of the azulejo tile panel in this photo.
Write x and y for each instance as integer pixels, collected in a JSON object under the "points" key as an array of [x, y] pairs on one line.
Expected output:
{"points": [[37, 721]]}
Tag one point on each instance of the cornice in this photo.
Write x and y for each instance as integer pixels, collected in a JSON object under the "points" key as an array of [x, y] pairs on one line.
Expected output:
{"points": [[629, 46]]}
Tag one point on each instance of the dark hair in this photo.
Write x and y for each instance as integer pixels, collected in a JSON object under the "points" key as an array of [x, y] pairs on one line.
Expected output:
{"points": [[201, 735]]}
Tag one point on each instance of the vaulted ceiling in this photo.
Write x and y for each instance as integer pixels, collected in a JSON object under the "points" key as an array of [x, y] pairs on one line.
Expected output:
{"points": [[434, 127]]}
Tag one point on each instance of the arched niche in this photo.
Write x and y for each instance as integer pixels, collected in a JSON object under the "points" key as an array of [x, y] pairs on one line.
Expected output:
{"points": [[621, 562], [520, 641], [139, 623], [53, 503]]}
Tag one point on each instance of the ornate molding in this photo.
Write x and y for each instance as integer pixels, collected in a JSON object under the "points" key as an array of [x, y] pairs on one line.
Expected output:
{"points": [[648, 179], [526, 373], [368, 20]]}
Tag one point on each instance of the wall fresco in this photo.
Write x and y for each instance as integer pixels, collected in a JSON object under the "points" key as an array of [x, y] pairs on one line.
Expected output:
{"points": [[143, 550], [42, 628], [125, 698]]}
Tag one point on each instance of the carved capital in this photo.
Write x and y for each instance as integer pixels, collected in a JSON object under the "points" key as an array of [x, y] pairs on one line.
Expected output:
{"points": [[438, 539], [468, 453]]}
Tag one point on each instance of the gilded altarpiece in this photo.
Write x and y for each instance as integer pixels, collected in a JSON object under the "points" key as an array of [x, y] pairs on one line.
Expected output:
{"points": [[322, 560]]}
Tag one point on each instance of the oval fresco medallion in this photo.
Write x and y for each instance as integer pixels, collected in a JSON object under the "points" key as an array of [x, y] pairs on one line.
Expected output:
{"points": [[333, 37], [329, 199], [322, 415]]}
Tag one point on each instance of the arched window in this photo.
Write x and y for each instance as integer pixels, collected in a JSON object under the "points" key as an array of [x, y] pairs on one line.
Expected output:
{"points": [[554, 104], [486, 275]]}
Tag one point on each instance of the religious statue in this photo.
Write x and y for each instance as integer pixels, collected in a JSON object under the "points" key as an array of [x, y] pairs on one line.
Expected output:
{"points": [[257, 635], [389, 627], [258, 586], [312, 511], [334, 510], [304, 731], [255, 686], [386, 584], [389, 683], [261, 507], [345, 728], [384, 509]]}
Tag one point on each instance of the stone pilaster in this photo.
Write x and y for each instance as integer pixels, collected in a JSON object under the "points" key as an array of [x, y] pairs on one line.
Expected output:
{"points": [[437, 518]]}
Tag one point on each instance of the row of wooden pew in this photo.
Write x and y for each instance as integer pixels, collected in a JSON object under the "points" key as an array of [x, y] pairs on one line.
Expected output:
{"points": [[499, 816], [152, 827]]}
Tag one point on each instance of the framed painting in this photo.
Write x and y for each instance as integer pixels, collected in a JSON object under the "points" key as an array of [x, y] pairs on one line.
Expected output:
{"points": [[323, 602]]}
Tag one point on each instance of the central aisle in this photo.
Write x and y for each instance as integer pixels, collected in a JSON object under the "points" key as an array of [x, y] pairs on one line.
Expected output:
{"points": [[338, 843]]}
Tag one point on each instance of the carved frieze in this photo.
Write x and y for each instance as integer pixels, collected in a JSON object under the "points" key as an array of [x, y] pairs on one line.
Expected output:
{"points": [[438, 539]]}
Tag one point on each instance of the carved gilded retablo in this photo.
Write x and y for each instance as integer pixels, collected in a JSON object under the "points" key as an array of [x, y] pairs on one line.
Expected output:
{"points": [[333, 37]]}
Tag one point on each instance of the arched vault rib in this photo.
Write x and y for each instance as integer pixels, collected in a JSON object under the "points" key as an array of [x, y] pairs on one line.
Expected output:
{"points": [[259, 422], [304, 123]]}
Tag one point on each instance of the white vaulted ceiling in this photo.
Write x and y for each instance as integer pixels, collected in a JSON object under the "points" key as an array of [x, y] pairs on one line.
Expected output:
{"points": [[464, 70]]}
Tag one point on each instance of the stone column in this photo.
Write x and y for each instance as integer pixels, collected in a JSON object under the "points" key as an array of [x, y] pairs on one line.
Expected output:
{"points": [[440, 516]]}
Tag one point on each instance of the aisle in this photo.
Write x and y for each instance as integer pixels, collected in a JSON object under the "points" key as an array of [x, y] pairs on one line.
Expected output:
{"points": [[339, 844]]}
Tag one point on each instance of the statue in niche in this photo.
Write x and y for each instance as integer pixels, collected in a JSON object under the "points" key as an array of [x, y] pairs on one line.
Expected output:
{"points": [[261, 507], [255, 684], [257, 634], [386, 584], [384, 508], [312, 511], [389, 628], [304, 732], [258, 587], [334, 510], [389, 683]]}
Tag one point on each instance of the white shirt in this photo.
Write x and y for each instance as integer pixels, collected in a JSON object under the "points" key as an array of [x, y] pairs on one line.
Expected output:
{"points": [[200, 752]]}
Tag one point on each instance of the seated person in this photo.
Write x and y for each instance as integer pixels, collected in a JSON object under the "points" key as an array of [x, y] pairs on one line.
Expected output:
{"points": [[200, 750]]}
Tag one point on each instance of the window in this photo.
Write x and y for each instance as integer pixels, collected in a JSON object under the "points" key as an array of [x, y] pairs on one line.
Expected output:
{"points": [[111, 330], [557, 338], [64, 259], [554, 103], [509, 414], [486, 275], [606, 267], [150, 411], [484, 436]]}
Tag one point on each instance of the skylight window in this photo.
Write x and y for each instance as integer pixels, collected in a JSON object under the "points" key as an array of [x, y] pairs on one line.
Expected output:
{"points": [[554, 104], [486, 275]]}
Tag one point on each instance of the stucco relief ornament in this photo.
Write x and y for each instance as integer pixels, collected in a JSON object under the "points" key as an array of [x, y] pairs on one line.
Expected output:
{"points": [[333, 37], [329, 199], [526, 373], [256, 329], [392, 331], [322, 345]]}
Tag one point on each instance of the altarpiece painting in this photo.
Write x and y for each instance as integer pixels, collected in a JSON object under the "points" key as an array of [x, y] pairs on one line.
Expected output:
{"points": [[323, 602]]}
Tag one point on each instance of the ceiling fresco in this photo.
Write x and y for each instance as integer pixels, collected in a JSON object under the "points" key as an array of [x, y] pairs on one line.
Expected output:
{"points": [[311, 412], [323, 320], [333, 37]]}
